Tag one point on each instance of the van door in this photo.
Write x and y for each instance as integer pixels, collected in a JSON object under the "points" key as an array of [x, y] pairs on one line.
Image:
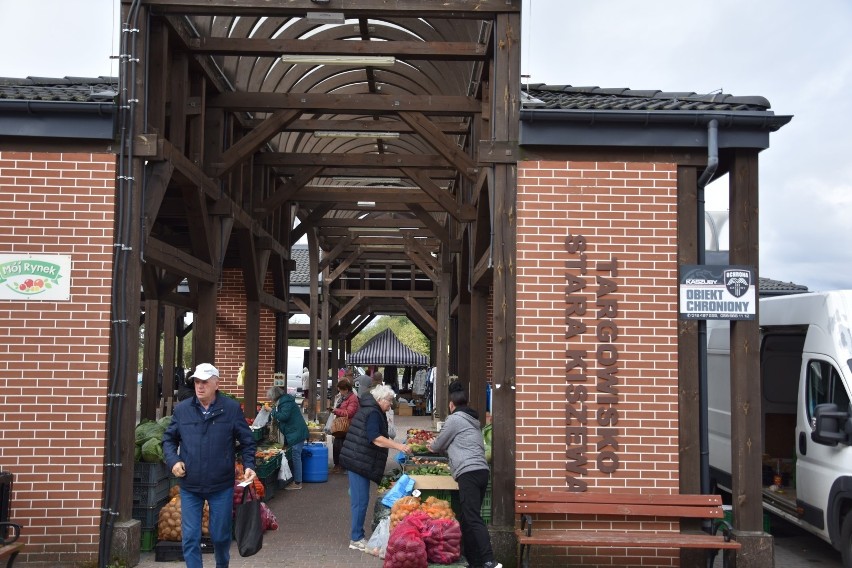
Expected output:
{"points": [[818, 465]]}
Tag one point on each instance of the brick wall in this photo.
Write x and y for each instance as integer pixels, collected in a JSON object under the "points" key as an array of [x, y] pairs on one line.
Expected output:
{"points": [[54, 354], [596, 330], [231, 336]]}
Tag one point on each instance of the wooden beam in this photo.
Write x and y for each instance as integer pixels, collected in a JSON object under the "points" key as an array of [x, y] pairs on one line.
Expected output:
{"points": [[386, 294], [286, 190], [335, 252], [348, 307], [274, 47], [248, 144], [441, 143], [422, 264], [431, 223], [462, 213], [352, 160], [425, 316], [157, 177], [299, 231], [342, 103], [447, 126], [272, 302], [175, 260], [347, 262]]}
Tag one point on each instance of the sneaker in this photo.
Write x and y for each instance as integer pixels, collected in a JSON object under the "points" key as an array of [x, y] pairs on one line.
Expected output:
{"points": [[358, 545], [293, 487], [492, 564]]}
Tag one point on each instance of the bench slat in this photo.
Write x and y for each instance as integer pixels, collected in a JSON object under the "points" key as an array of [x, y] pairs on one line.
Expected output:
{"points": [[621, 509], [557, 496], [634, 539]]}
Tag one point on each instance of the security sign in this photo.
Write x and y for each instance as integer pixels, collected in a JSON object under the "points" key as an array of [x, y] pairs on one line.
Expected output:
{"points": [[717, 292]]}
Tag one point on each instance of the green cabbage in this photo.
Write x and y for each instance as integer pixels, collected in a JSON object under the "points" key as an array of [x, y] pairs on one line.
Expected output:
{"points": [[486, 437], [147, 430], [152, 451]]}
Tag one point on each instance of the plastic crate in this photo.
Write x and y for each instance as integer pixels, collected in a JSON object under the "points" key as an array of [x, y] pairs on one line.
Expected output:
{"points": [[169, 551], [148, 516], [150, 495], [149, 473], [268, 467], [149, 539], [485, 511], [260, 433]]}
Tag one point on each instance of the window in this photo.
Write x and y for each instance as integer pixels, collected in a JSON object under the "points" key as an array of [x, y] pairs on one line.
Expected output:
{"points": [[824, 385]]}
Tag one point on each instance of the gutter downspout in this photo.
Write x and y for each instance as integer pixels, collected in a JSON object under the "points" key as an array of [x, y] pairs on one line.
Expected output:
{"points": [[703, 428]]}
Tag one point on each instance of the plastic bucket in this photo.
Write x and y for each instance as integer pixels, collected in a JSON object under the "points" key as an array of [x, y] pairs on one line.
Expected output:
{"points": [[315, 463]]}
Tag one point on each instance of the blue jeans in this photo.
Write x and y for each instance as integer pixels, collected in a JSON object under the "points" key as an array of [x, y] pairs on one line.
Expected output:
{"points": [[359, 500], [297, 461], [221, 510]]}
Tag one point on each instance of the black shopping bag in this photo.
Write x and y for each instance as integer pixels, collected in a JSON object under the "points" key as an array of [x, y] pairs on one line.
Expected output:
{"points": [[248, 525]]}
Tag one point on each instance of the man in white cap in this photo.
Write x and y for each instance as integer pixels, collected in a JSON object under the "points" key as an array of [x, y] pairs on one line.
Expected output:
{"points": [[203, 430]]}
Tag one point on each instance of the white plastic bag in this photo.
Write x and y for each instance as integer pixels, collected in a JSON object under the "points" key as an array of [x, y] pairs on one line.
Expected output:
{"points": [[378, 543], [329, 420], [261, 420], [391, 425], [285, 476]]}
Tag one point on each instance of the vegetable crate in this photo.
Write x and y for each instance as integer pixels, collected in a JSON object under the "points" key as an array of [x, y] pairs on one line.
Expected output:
{"points": [[260, 433], [149, 540], [149, 495], [168, 551], [485, 511], [268, 467], [148, 516], [149, 473]]}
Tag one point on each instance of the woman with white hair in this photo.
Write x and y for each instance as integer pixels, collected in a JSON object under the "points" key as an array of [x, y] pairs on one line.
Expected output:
{"points": [[364, 455]]}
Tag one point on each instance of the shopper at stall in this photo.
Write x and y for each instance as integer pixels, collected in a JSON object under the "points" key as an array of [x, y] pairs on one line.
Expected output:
{"points": [[364, 455], [306, 390], [461, 439], [292, 425], [346, 404], [198, 447]]}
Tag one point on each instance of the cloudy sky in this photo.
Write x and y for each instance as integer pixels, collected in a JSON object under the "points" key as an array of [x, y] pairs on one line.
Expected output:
{"points": [[796, 54]]}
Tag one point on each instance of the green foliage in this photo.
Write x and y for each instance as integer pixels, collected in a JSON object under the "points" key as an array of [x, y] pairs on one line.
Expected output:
{"points": [[406, 331]]}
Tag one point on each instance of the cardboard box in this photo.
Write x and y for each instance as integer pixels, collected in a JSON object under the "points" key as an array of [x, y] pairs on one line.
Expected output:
{"points": [[405, 410], [434, 482]]}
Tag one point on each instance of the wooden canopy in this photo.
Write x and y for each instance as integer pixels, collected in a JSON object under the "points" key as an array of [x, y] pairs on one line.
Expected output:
{"points": [[383, 132]]}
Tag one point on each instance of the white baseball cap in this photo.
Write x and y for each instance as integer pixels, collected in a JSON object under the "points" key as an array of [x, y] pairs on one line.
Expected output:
{"points": [[204, 371]]}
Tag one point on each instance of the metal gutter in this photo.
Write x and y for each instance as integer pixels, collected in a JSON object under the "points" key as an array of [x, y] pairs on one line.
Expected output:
{"points": [[751, 119], [58, 119], [35, 107]]}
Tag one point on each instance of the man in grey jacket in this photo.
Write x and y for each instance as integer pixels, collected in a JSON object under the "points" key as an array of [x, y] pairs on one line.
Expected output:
{"points": [[461, 439]]}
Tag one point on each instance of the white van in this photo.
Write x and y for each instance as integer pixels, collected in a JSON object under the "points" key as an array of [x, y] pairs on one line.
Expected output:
{"points": [[805, 377], [295, 364]]}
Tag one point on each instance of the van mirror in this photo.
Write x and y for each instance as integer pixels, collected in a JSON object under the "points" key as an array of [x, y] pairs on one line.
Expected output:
{"points": [[830, 425]]}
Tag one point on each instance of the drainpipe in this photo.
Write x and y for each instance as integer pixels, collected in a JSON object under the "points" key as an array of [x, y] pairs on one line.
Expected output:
{"points": [[703, 428]]}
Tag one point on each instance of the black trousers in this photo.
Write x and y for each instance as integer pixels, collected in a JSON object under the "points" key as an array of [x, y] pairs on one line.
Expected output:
{"points": [[475, 538], [336, 446]]}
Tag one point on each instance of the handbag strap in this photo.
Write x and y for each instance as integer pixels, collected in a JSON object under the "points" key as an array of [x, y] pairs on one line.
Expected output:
{"points": [[248, 489]]}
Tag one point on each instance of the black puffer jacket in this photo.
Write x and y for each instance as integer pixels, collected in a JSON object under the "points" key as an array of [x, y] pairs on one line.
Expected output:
{"points": [[360, 455]]}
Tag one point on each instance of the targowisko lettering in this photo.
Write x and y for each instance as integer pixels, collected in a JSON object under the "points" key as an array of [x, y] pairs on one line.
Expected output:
{"points": [[583, 386]]}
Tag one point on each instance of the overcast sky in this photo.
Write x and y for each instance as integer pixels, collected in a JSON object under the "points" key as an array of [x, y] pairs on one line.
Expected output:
{"points": [[796, 54]]}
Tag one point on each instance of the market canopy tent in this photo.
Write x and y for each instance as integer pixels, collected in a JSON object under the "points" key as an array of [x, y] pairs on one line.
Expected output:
{"points": [[386, 350]]}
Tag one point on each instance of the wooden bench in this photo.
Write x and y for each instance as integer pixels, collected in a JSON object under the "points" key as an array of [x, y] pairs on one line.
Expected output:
{"points": [[530, 502], [9, 546]]}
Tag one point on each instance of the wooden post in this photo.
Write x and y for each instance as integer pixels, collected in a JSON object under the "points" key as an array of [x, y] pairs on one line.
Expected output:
{"points": [[746, 441], [505, 127]]}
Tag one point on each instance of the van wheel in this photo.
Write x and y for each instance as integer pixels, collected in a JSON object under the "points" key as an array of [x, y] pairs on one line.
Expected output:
{"points": [[846, 540]]}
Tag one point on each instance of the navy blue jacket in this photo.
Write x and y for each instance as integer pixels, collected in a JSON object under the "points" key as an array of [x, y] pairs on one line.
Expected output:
{"points": [[205, 444], [359, 454]]}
